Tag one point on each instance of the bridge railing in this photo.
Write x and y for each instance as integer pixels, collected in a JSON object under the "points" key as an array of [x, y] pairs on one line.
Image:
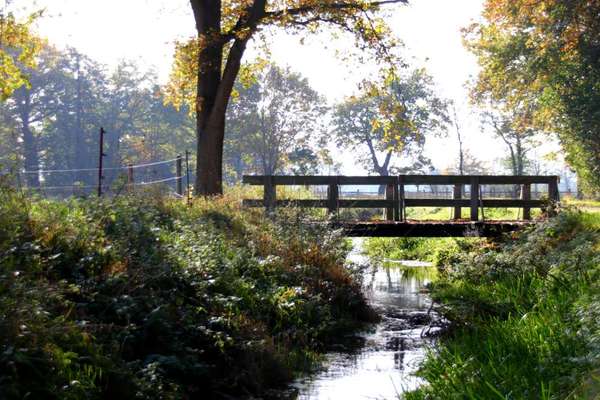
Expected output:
{"points": [[395, 201]]}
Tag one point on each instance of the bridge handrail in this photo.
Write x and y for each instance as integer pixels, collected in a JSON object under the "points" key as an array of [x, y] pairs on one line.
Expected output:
{"points": [[396, 202]]}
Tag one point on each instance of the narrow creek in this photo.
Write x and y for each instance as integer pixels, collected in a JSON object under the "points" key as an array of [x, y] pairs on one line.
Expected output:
{"points": [[383, 364]]}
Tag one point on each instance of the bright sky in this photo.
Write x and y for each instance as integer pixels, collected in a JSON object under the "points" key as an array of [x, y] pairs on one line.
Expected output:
{"points": [[145, 30]]}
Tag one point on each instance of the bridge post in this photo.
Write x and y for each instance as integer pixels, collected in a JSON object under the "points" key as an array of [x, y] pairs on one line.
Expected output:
{"points": [[270, 194], [553, 193], [389, 195], [457, 196], [402, 194], [526, 196], [397, 216], [333, 193], [474, 198]]}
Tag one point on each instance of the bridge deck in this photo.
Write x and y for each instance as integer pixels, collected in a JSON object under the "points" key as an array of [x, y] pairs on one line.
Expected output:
{"points": [[422, 228]]}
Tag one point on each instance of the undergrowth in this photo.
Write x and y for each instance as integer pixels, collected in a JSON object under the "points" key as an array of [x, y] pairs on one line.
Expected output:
{"points": [[148, 298], [525, 316]]}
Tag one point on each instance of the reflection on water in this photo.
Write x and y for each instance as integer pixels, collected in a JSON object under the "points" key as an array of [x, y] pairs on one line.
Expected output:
{"points": [[383, 367]]}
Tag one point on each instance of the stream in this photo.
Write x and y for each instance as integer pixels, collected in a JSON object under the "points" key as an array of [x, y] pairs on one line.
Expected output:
{"points": [[383, 363]]}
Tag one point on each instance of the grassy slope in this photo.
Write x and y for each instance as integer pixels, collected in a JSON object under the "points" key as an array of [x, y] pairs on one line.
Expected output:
{"points": [[142, 298], [526, 316]]}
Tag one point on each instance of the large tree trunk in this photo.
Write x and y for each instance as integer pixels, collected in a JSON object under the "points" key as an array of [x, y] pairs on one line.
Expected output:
{"points": [[214, 87], [209, 174]]}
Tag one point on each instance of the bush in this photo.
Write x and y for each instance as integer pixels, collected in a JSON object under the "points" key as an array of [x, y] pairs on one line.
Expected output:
{"points": [[147, 298]]}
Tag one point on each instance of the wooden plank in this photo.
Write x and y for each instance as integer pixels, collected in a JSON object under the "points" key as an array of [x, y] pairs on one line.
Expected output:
{"points": [[380, 203], [526, 196], [457, 196], [408, 180], [429, 229], [474, 203]]}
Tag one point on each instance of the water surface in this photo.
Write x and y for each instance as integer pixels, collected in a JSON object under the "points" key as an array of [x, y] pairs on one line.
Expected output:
{"points": [[382, 366]]}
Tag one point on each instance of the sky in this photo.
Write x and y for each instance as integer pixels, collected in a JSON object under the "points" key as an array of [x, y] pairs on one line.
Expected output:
{"points": [[146, 30]]}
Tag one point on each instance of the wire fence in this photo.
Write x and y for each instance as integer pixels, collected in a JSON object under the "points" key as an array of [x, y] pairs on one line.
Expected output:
{"points": [[164, 175]]}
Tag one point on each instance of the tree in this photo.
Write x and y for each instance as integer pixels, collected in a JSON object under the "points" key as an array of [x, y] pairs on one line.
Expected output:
{"points": [[274, 124], [32, 106], [18, 49], [214, 58], [288, 118], [383, 123], [544, 56], [519, 141]]}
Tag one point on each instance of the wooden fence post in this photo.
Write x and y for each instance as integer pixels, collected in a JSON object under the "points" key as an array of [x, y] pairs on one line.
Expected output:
{"points": [[457, 196], [474, 198], [389, 195], [401, 199], [397, 216], [270, 194], [130, 179], [333, 194], [553, 194], [179, 169], [526, 196]]}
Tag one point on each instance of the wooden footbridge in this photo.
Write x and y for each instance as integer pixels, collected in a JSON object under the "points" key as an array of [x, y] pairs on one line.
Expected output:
{"points": [[396, 201]]}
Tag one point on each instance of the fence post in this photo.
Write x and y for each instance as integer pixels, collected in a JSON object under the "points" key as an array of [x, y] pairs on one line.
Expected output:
{"points": [[389, 195], [457, 196], [179, 169], [130, 179], [474, 198], [401, 200], [333, 194], [270, 194], [100, 161], [397, 216], [187, 176], [553, 194], [526, 196]]}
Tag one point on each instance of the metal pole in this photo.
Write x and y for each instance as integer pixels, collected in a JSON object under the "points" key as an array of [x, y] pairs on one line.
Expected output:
{"points": [[100, 159], [187, 172], [179, 176]]}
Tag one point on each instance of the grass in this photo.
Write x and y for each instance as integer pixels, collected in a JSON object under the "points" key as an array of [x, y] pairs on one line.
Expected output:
{"points": [[525, 314], [142, 297]]}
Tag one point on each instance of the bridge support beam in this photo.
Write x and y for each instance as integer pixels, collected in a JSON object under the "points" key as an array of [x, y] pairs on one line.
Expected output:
{"points": [[526, 195], [458, 196], [474, 198]]}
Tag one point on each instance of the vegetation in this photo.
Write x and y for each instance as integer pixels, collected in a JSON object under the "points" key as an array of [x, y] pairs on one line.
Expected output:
{"points": [[384, 124], [18, 48], [149, 298], [539, 62], [524, 314]]}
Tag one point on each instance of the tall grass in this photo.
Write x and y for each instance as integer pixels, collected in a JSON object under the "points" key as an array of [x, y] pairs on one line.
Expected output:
{"points": [[142, 297], [525, 315]]}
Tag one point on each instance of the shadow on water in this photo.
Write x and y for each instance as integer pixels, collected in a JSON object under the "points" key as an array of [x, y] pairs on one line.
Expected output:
{"points": [[382, 366]]}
